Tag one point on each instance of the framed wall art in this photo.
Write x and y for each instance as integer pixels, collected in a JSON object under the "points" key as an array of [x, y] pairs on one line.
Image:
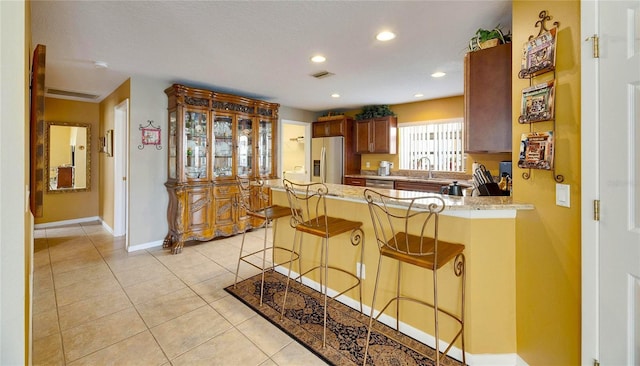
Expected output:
{"points": [[151, 135], [539, 54], [538, 103], [536, 150]]}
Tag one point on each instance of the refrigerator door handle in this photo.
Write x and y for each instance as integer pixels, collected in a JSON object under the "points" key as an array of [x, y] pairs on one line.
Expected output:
{"points": [[323, 165]]}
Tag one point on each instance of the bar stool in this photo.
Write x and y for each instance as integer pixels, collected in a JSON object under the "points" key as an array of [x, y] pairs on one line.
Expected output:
{"points": [[392, 219], [253, 200], [309, 216]]}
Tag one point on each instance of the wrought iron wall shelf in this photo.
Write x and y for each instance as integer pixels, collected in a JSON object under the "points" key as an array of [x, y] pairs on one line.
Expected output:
{"points": [[538, 100]]}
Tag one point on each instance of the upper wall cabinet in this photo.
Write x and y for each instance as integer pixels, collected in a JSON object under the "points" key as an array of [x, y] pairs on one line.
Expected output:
{"points": [[337, 127], [377, 135], [487, 99]]}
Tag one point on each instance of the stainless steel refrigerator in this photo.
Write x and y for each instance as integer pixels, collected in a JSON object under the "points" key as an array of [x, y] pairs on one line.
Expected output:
{"points": [[326, 157]]}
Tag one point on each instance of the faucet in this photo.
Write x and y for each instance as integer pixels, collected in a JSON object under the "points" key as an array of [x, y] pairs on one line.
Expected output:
{"points": [[419, 165]]}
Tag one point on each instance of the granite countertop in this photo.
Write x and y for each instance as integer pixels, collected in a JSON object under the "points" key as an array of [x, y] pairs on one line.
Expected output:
{"points": [[453, 203]]}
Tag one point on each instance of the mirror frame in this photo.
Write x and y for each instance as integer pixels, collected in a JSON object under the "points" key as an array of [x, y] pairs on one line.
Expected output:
{"points": [[47, 135]]}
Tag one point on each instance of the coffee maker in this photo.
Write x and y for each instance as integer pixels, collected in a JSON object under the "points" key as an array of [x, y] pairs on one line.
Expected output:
{"points": [[384, 168]]}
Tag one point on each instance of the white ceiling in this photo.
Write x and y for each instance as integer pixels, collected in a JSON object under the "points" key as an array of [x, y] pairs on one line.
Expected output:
{"points": [[261, 49]]}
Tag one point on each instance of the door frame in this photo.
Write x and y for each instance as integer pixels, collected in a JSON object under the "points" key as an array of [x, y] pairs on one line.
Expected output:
{"points": [[589, 165], [307, 144], [120, 170]]}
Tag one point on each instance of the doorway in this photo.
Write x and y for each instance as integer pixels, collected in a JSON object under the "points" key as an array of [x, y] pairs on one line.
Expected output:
{"points": [[295, 150], [120, 170]]}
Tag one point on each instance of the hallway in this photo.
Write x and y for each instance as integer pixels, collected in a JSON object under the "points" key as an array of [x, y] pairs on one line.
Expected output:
{"points": [[94, 303]]}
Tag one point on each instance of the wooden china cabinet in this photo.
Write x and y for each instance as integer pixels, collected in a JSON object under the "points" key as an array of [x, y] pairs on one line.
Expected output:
{"points": [[213, 137]]}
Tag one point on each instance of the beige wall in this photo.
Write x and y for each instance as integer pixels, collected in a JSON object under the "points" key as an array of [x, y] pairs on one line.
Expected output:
{"points": [[105, 183], [548, 238], [73, 205], [148, 198]]}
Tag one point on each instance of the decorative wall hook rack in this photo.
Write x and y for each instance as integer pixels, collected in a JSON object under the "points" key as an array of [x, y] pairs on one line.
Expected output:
{"points": [[151, 135], [544, 18], [537, 148]]}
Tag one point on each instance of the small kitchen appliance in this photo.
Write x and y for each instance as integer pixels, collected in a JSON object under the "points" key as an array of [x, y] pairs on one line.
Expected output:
{"points": [[505, 167], [384, 168]]}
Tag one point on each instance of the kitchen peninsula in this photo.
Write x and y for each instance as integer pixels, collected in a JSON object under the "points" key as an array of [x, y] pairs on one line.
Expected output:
{"points": [[485, 225]]}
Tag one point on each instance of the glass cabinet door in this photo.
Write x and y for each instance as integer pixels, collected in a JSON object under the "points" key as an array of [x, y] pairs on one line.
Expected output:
{"points": [[223, 146], [173, 157], [195, 154], [265, 147], [245, 146]]}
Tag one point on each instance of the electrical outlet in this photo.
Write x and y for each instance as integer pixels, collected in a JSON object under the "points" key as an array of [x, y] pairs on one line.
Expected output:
{"points": [[360, 270], [367, 164]]}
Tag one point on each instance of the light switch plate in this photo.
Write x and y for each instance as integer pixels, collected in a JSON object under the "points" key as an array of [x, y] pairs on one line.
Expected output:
{"points": [[563, 195]]}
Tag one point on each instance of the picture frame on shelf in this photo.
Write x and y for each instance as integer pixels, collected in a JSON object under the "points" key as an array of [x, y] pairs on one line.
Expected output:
{"points": [[538, 103], [539, 54], [536, 150]]}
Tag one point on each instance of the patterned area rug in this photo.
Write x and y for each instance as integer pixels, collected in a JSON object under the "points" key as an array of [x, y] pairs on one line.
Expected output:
{"points": [[346, 327]]}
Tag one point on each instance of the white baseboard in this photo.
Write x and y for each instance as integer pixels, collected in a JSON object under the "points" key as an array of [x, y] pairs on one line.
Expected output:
{"points": [[504, 359], [107, 227], [152, 244], [66, 222]]}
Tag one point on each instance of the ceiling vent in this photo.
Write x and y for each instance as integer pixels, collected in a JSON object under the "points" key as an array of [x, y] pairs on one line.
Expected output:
{"points": [[322, 74], [73, 94]]}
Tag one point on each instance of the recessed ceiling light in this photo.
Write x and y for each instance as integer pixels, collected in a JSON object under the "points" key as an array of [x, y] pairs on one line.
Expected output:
{"points": [[318, 59], [100, 65], [438, 74], [418, 95], [335, 95], [385, 36]]}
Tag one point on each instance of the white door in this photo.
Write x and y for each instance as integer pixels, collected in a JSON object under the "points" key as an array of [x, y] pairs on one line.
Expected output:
{"points": [[611, 326], [121, 159]]}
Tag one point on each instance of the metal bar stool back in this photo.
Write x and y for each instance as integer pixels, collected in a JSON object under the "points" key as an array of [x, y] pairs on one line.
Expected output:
{"points": [[254, 200], [309, 216], [406, 230]]}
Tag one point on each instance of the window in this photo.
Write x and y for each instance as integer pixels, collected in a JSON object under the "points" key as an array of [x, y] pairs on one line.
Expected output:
{"points": [[439, 140]]}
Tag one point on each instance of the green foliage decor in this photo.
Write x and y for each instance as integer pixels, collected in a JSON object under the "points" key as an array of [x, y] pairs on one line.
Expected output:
{"points": [[374, 111], [483, 35]]}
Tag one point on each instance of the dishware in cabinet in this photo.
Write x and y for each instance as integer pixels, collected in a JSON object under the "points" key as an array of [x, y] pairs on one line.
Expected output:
{"points": [[173, 145], [195, 155], [223, 146], [244, 145], [266, 131]]}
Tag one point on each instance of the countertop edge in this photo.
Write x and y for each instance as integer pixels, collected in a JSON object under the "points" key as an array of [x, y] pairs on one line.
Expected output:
{"points": [[467, 207]]}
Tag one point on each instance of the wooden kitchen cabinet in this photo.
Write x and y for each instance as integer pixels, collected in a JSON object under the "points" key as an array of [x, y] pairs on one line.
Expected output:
{"points": [[213, 137], [361, 182], [417, 186], [487, 100], [377, 135], [337, 127]]}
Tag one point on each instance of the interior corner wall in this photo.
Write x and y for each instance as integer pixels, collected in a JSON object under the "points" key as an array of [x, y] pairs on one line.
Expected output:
{"points": [[148, 198], [73, 205], [106, 173], [548, 241]]}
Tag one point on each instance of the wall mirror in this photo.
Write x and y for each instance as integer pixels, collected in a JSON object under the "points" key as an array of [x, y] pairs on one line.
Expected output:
{"points": [[68, 157]]}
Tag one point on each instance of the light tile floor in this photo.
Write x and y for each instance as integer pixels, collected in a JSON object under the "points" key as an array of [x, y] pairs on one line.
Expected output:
{"points": [[94, 303]]}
